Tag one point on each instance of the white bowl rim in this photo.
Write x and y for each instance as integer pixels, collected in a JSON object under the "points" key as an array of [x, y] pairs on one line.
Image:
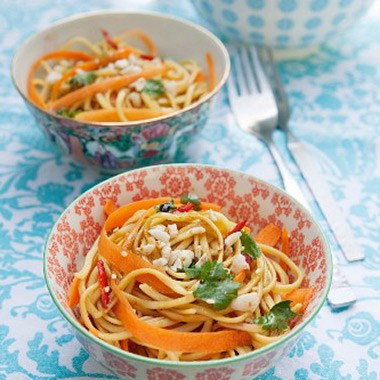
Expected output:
{"points": [[163, 118], [207, 363]]}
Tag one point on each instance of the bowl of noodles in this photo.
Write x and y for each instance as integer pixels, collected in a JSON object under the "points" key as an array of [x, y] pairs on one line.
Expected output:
{"points": [[120, 90], [187, 271]]}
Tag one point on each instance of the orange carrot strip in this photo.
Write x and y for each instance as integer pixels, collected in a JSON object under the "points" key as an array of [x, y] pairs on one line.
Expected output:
{"points": [[123, 213], [73, 297], [200, 77], [169, 340], [240, 277], [108, 84], [300, 295], [94, 332], [210, 71], [112, 252], [269, 235], [209, 206], [109, 207], [284, 246], [33, 95], [92, 65], [151, 47], [111, 115], [124, 344], [127, 245]]}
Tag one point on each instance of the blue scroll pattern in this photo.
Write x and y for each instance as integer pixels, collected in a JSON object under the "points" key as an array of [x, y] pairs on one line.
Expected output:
{"points": [[334, 97]]}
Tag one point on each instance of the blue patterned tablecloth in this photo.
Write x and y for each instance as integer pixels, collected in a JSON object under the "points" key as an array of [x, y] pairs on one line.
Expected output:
{"points": [[335, 98]]}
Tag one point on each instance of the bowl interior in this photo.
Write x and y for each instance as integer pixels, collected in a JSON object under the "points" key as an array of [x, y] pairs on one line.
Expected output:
{"points": [[173, 37], [241, 197]]}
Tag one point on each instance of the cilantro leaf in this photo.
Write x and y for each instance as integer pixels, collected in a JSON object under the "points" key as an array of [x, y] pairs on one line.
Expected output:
{"points": [[153, 88], [216, 286], [165, 207], [190, 198], [250, 247], [82, 79], [64, 112], [277, 318], [221, 293]]}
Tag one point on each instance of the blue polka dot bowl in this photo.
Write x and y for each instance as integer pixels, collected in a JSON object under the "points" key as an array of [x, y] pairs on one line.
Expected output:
{"points": [[282, 24]]}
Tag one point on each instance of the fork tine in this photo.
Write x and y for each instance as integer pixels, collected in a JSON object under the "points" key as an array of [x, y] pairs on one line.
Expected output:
{"points": [[262, 80], [239, 74], [248, 70]]}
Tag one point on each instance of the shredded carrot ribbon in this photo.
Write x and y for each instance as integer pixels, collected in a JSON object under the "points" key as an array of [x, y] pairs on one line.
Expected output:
{"points": [[269, 235], [300, 295], [169, 340], [108, 84], [34, 97]]}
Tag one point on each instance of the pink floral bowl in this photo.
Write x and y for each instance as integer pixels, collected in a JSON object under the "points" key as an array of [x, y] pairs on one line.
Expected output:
{"points": [[115, 147], [241, 197]]}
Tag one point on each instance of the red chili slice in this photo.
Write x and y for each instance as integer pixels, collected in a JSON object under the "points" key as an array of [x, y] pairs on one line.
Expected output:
{"points": [[108, 39], [248, 259], [103, 283], [184, 208], [239, 226]]}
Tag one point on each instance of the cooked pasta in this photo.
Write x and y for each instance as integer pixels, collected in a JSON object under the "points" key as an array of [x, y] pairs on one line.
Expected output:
{"points": [[177, 280], [113, 81]]}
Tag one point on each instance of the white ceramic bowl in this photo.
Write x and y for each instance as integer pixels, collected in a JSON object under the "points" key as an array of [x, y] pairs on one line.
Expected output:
{"points": [[118, 146], [281, 23], [241, 197]]}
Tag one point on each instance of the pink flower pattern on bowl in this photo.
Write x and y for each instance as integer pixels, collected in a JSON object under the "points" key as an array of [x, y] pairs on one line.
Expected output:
{"points": [[244, 197]]}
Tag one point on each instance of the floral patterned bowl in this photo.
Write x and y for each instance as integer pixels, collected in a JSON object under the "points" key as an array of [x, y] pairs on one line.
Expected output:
{"points": [[281, 24], [241, 197], [115, 147]]}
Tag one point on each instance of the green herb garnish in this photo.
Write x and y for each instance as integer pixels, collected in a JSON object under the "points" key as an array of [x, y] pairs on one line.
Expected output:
{"points": [[277, 318], [216, 286], [190, 198], [82, 79], [153, 88], [165, 207], [64, 112], [250, 247]]}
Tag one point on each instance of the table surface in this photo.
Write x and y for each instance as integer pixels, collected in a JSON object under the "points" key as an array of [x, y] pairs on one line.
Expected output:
{"points": [[335, 99]]}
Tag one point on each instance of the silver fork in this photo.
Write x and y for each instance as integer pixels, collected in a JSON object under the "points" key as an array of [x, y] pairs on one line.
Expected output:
{"points": [[256, 111], [341, 293], [254, 107]]}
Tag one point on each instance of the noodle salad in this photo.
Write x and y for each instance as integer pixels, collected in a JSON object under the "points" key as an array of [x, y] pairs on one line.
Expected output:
{"points": [[113, 81], [175, 279]]}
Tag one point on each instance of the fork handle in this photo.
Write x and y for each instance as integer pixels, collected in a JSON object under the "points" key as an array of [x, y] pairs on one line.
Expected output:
{"points": [[289, 182]]}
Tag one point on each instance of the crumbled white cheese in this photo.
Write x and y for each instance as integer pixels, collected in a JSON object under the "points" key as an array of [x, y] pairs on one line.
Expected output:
{"points": [[159, 227], [239, 263], [132, 69], [246, 302], [107, 289], [161, 262], [132, 58], [139, 84], [232, 239], [147, 249], [121, 63], [156, 62], [113, 276], [180, 258], [159, 235], [171, 87], [166, 251], [53, 76], [210, 301], [173, 230], [123, 253]]}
